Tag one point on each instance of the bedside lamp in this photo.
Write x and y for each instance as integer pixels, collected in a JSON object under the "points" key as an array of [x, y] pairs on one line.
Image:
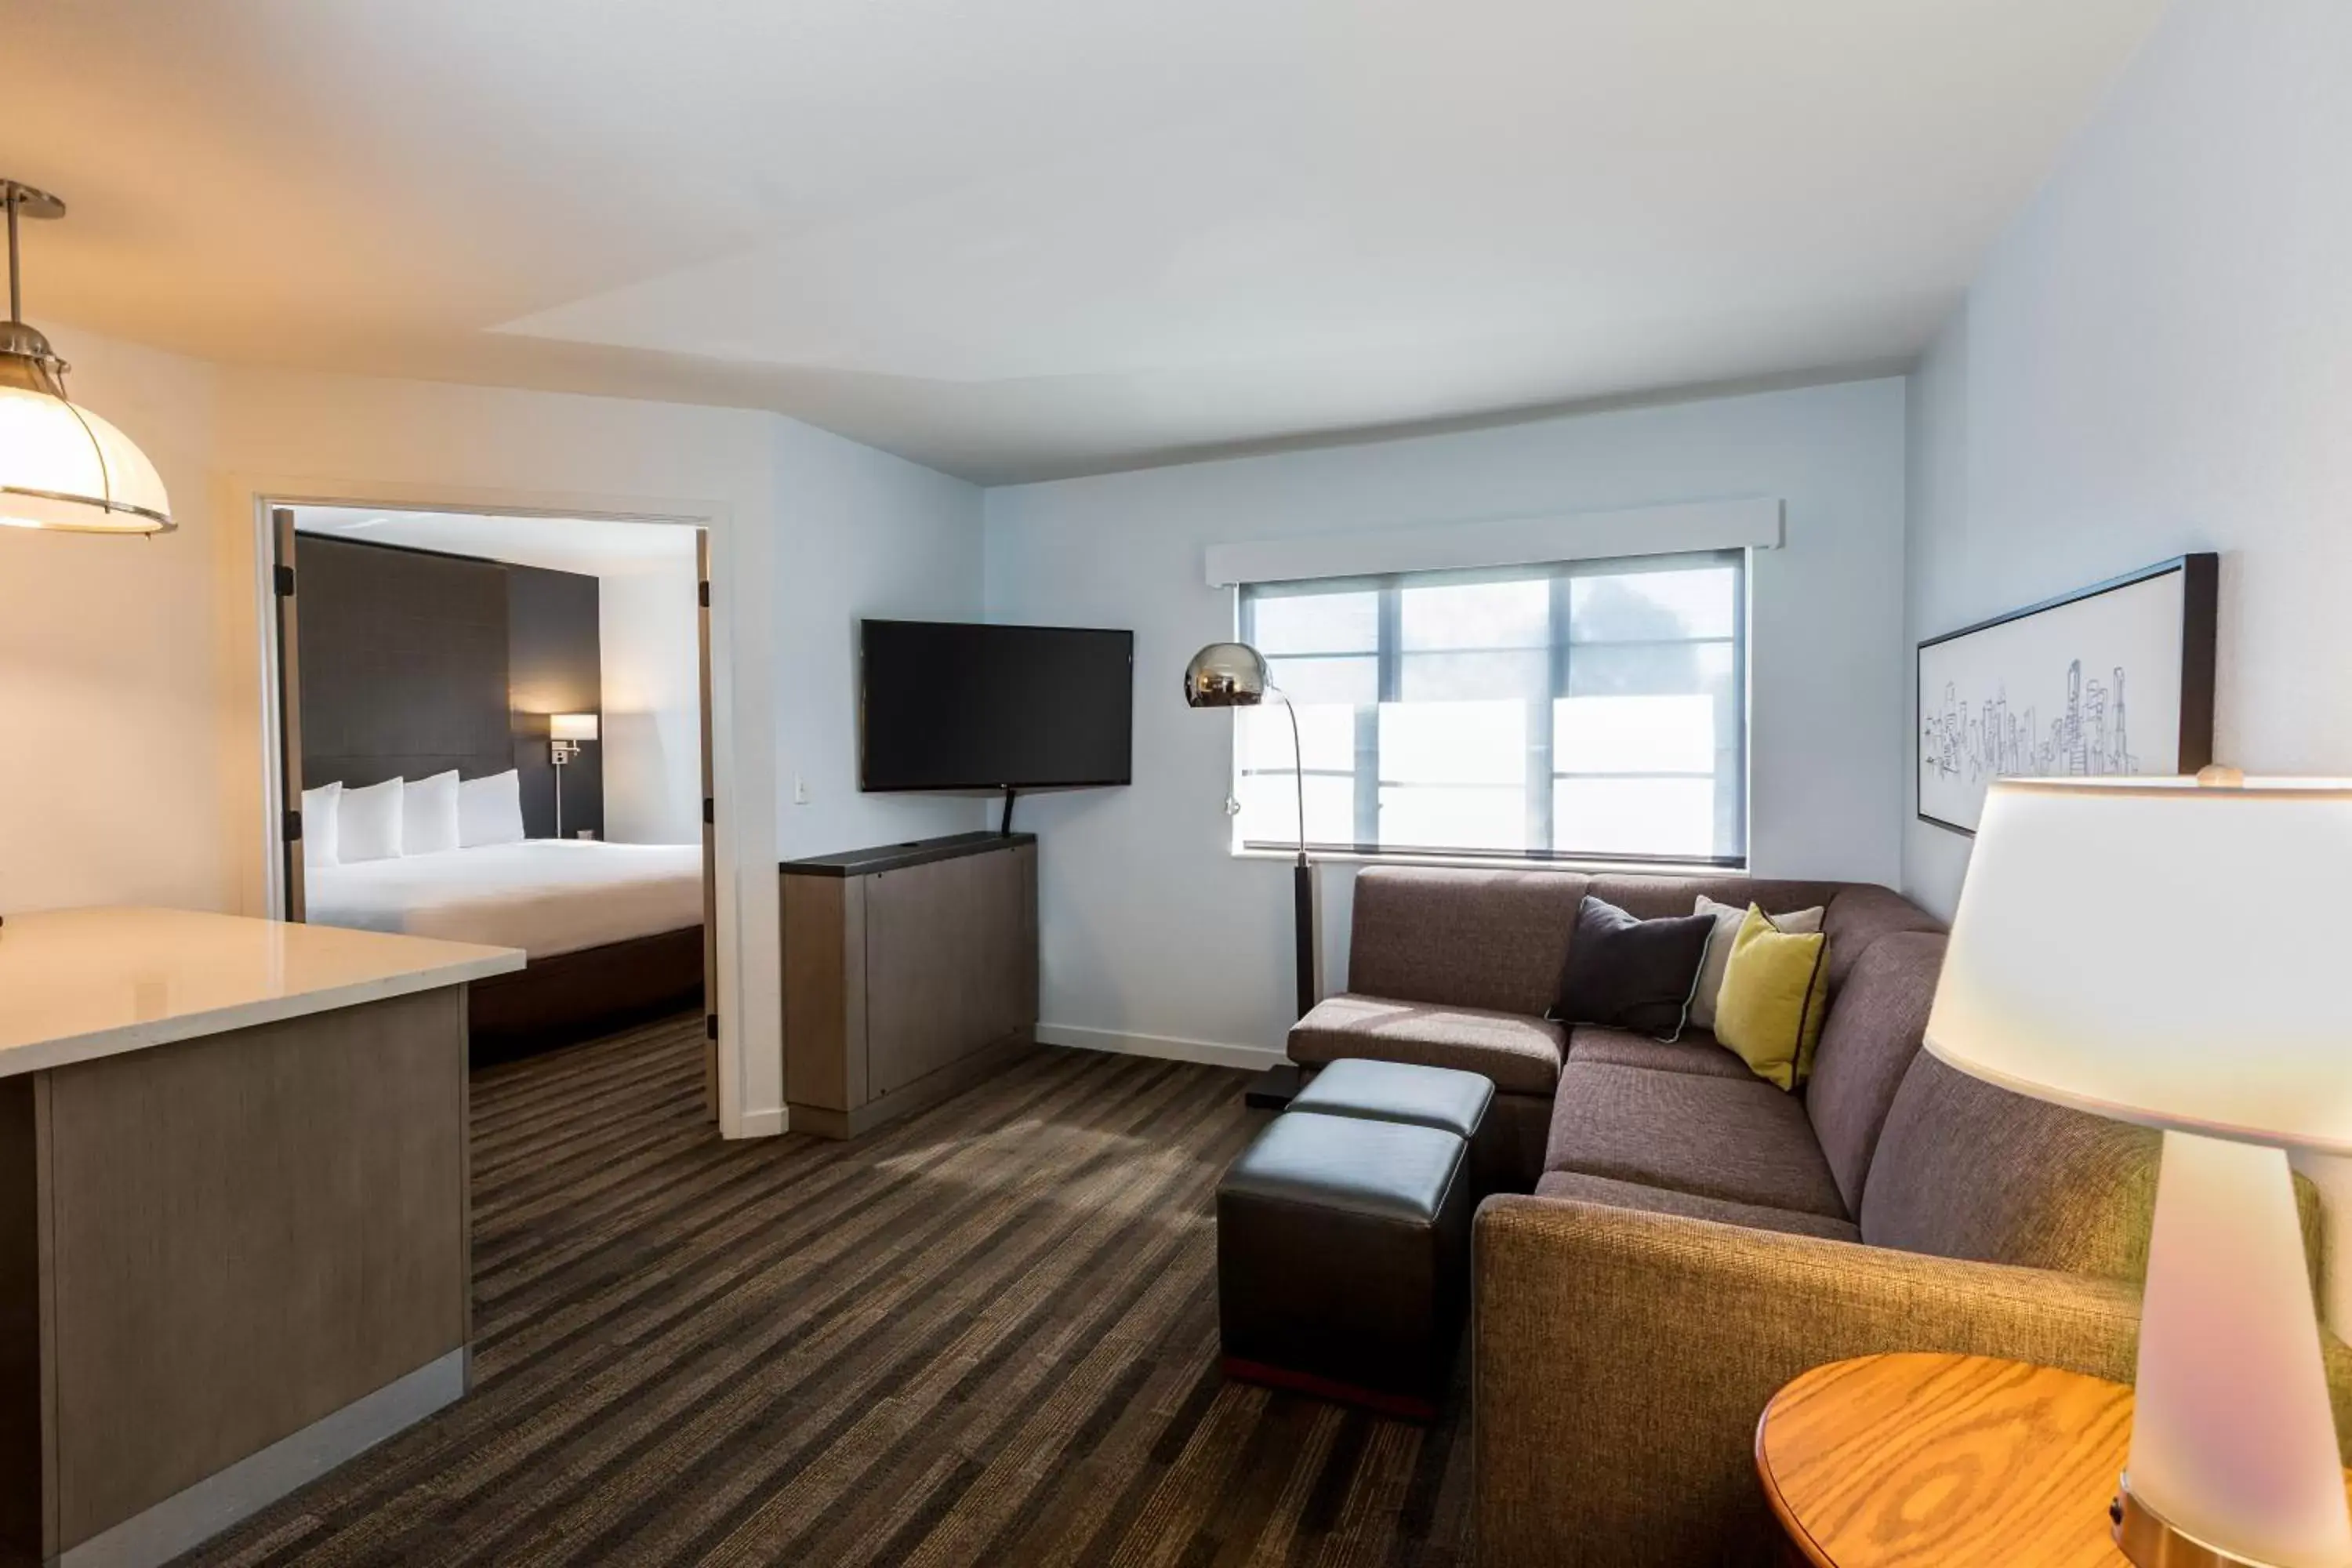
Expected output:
{"points": [[2151, 951], [565, 732]]}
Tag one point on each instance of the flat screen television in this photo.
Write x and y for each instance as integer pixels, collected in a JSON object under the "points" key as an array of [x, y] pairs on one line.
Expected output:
{"points": [[951, 706]]}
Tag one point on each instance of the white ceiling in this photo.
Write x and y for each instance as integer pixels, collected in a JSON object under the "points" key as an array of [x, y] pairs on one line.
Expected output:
{"points": [[598, 546], [1035, 237]]}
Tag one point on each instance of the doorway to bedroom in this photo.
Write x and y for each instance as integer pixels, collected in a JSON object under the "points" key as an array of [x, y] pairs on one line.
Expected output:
{"points": [[496, 728]]}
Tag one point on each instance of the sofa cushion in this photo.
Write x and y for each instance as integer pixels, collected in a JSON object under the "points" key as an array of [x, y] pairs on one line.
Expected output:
{"points": [[1490, 940], [1965, 1169], [1739, 1140], [1631, 972], [1861, 913], [1658, 1200], [1698, 1051], [1521, 1054], [1873, 1032]]}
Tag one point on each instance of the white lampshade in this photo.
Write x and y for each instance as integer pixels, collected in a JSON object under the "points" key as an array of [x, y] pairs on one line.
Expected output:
{"points": [[572, 727], [63, 467], [2160, 953]]}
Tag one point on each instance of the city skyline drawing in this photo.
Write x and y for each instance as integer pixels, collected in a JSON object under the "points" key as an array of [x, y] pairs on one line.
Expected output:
{"points": [[2090, 686], [1978, 742]]}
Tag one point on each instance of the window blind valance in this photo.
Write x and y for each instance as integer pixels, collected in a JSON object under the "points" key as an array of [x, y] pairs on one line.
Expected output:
{"points": [[1750, 523]]}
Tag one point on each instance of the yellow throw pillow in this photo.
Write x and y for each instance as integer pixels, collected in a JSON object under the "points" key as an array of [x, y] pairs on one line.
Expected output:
{"points": [[1774, 992]]}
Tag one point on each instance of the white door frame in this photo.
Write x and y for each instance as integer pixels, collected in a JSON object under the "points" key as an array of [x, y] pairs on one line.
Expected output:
{"points": [[749, 988]]}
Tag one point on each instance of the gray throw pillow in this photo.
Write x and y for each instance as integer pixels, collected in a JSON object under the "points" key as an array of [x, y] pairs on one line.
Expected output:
{"points": [[1797, 922], [1631, 973]]}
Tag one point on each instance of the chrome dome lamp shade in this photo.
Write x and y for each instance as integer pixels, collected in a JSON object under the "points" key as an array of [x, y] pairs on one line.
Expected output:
{"points": [[61, 466], [1226, 674], [1235, 675]]}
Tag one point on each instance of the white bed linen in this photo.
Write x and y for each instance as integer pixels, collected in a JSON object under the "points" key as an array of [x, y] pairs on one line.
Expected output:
{"points": [[545, 896]]}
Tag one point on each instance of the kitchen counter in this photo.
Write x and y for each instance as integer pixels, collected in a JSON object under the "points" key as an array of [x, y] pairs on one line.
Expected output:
{"points": [[76, 984], [235, 1233]]}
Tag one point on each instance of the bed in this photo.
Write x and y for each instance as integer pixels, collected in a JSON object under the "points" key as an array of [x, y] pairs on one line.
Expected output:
{"points": [[546, 896], [613, 931], [410, 665]]}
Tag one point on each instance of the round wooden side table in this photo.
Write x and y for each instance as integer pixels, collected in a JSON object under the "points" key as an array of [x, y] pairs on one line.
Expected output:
{"points": [[1945, 1459]]}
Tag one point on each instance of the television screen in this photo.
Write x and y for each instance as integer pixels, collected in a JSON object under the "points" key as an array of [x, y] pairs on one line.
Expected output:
{"points": [[949, 705]]}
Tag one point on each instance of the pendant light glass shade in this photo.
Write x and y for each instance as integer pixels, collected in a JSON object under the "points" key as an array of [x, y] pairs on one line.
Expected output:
{"points": [[63, 467]]}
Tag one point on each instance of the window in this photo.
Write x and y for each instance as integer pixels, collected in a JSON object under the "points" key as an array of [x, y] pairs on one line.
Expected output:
{"points": [[1592, 709]]}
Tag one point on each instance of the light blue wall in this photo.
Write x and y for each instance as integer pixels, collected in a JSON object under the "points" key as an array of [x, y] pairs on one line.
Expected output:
{"points": [[1153, 929], [858, 533], [2156, 358]]}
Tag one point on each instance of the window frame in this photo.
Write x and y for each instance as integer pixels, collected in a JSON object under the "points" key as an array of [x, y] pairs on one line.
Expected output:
{"points": [[1544, 774]]}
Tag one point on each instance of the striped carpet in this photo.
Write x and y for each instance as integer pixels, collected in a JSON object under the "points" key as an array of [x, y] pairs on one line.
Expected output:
{"points": [[986, 1335]]}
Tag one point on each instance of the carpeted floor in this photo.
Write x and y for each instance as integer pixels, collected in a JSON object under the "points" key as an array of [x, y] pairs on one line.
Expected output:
{"points": [[987, 1335]]}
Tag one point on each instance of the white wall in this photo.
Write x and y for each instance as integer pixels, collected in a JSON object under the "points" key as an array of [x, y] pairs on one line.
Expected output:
{"points": [[870, 535], [2157, 357], [113, 708], [1153, 929], [133, 761], [649, 642]]}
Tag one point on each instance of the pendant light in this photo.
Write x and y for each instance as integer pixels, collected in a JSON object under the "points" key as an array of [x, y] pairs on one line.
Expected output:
{"points": [[61, 465]]}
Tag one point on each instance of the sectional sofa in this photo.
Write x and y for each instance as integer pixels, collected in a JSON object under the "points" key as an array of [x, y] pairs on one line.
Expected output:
{"points": [[1686, 1237]]}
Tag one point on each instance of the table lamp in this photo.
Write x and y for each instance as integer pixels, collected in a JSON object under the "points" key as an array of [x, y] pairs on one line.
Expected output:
{"points": [[2158, 951], [1233, 674]]}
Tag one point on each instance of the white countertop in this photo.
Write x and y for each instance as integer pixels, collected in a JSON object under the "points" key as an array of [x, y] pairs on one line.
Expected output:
{"points": [[76, 984]]}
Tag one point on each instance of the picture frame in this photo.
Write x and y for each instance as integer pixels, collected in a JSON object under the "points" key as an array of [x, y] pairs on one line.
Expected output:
{"points": [[2115, 678]]}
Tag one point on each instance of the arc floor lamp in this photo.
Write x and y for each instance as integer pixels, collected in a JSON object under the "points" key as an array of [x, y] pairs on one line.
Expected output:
{"points": [[1233, 674]]}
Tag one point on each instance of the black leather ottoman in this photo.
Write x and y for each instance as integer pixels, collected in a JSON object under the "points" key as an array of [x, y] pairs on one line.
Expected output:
{"points": [[1343, 1260], [1444, 1098]]}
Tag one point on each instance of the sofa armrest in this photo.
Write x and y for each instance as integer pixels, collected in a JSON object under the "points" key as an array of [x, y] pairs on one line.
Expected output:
{"points": [[1623, 1359]]}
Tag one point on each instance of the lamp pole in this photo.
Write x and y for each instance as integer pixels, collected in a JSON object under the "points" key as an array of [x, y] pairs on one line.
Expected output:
{"points": [[1302, 876]]}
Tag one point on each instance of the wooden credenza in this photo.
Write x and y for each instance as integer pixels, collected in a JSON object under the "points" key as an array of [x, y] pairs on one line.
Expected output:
{"points": [[911, 973]]}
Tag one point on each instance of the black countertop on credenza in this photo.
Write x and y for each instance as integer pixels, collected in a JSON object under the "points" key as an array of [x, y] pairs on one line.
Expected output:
{"points": [[897, 857]]}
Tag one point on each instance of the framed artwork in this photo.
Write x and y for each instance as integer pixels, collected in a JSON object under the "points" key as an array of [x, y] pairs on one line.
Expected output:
{"points": [[2114, 678]]}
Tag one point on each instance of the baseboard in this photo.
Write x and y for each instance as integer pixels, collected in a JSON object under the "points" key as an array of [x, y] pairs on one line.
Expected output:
{"points": [[762, 1123], [245, 1487], [1212, 1053]]}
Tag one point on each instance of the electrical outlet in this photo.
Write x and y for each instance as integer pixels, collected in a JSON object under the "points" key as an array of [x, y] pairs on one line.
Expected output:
{"points": [[800, 790]]}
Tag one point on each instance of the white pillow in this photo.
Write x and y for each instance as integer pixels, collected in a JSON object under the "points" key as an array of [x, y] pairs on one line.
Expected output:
{"points": [[1800, 922], [367, 823], [489, 811], [318, 824], [429, 815]]}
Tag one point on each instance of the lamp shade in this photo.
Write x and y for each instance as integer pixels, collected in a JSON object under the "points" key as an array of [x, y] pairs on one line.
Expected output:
{"points": [[1226, 675], [63, 467], [572, 727], [2159, 951]]}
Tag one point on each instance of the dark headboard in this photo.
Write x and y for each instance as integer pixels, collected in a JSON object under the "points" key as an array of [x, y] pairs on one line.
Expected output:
{"points": [[403, 663], [554, 659]]}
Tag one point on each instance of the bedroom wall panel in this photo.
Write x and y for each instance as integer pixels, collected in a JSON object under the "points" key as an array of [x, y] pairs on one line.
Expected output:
{"points": [[416, 662], [403, 663], [554, 665]]}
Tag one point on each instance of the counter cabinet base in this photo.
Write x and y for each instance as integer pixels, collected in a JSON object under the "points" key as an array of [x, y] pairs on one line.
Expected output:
{"points": [[193, 1516], [226, 1264]]}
